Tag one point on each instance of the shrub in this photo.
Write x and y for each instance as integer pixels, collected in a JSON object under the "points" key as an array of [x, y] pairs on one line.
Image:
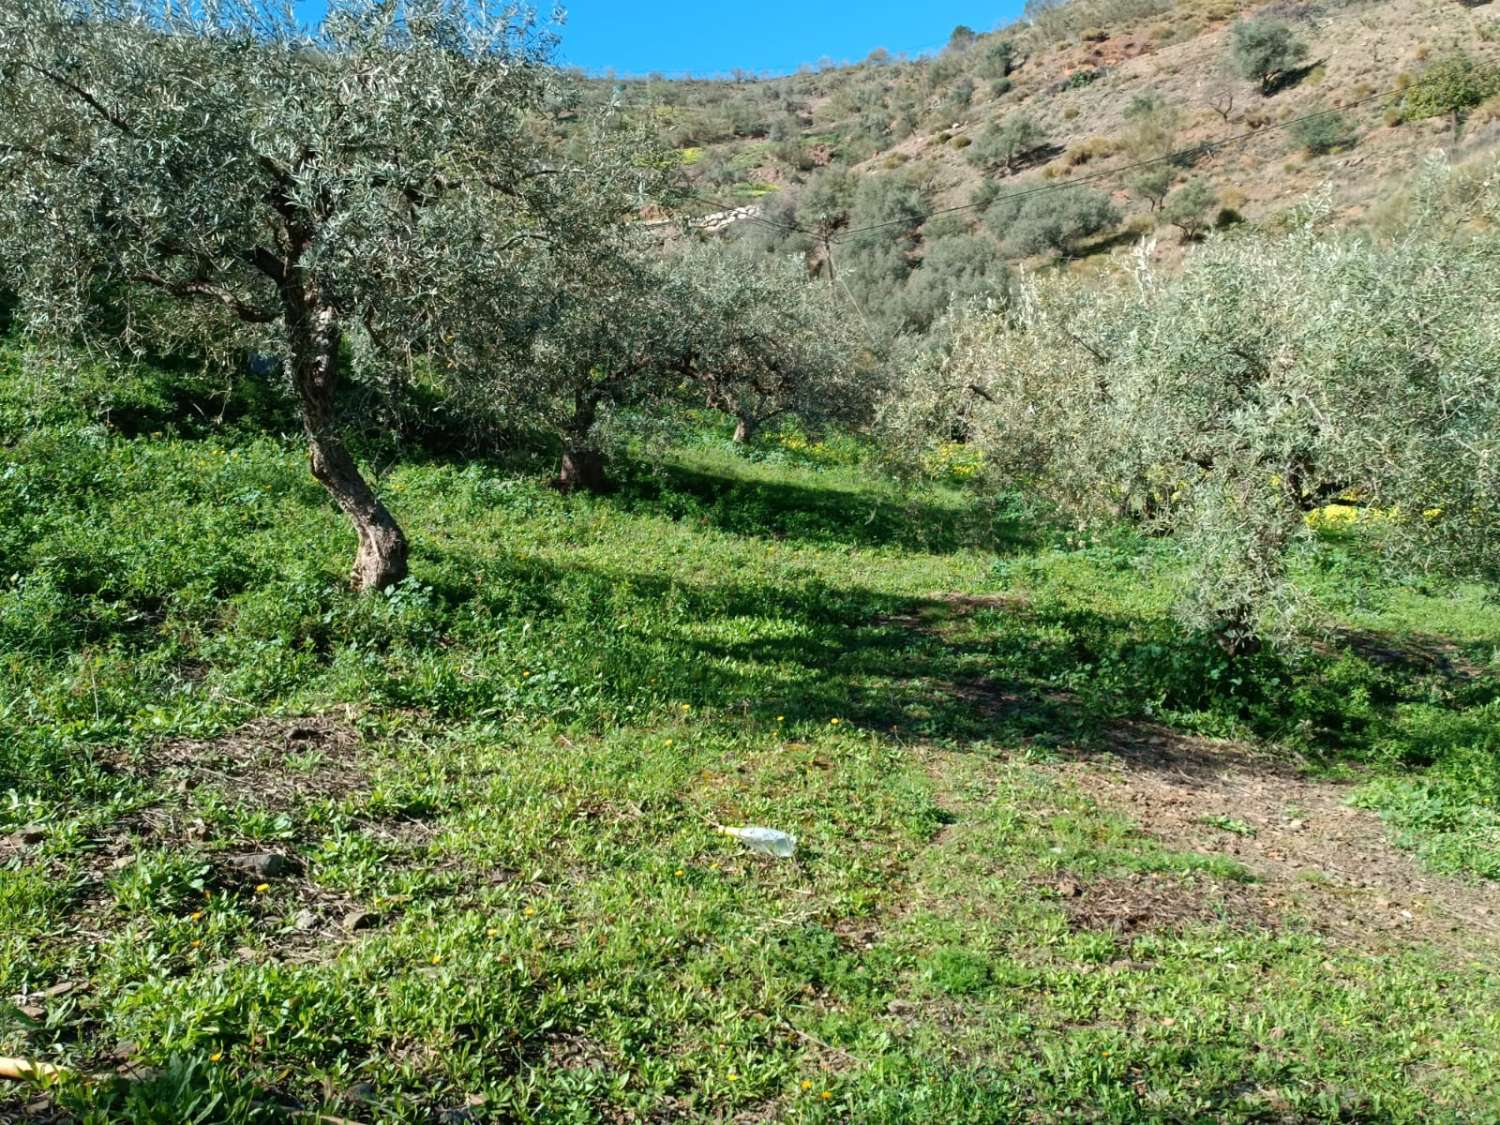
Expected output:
{"points": [[1323, 133], [1452, 85], [1264, 51]]}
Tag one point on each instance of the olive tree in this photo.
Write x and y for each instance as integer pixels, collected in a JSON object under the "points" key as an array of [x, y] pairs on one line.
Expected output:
{"points": [[1187, 208], [214, 171], [1051, 221], [1005, 145], [1272, 377], [766, 342], [1265, 51]]}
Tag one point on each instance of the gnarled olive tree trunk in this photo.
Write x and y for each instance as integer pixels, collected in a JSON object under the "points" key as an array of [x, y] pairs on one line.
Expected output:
{"points": [[582, 462], [313, 334]]}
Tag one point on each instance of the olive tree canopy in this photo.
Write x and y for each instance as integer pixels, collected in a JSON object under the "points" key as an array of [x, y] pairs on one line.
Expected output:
{"points": [[1233, 404], [214, 170]]}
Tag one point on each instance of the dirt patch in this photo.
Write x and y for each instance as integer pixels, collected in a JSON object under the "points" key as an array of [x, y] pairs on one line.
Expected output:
{"points": [[1319, 862], [277, 762], [1155, 902]]}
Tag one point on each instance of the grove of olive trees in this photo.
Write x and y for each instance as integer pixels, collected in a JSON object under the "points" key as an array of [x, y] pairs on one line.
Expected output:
{"points": [[1275, 376]]}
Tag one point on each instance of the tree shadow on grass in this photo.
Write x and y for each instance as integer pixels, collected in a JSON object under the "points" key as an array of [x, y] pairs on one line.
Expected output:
{"points": [[803, 513]]}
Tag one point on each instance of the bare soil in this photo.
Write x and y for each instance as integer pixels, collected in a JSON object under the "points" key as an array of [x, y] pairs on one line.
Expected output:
{"points": [[1317, 861]]}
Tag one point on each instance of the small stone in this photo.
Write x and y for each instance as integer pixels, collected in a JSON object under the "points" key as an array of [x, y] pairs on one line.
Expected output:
{"points": [[360, 920], [122, 862], [305, 920], [32, 1011], [1295, 825], [263, 865]]}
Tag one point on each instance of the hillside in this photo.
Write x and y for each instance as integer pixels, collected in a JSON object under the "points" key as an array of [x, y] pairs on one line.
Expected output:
{"points": [[1074, 71]]}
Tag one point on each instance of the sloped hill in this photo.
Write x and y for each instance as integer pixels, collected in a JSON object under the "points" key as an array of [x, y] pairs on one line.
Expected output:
{"points": [[804, 144]]}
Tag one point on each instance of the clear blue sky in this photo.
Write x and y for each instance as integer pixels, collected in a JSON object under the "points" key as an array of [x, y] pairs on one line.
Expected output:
{"points": [[762, 35]]}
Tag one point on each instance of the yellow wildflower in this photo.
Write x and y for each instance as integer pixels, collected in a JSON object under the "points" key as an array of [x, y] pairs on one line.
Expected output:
{"points": [[262, 888]]}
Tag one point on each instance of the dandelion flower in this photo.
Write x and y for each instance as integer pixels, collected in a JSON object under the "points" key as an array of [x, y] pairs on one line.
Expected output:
{"points": [[197, 944], [680, 873], [195, 915], [216, 1056], [529, 911], [492, 932], [262, 888], [826, 1094], [437, 958], [781, 718], [732, 1076], [807, 1084], [834, 722]]}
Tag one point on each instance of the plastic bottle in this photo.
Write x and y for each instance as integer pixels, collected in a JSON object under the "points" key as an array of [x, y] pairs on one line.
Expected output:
{"points": [[766, 841]]}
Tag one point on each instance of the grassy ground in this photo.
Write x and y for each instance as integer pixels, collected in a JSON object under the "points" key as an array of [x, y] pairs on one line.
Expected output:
{"points": [[498, 788]]}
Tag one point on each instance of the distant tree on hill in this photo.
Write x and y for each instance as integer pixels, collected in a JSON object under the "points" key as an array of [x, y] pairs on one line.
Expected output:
{"points": [[997, 60], [962, 38], [1152, 184], [1187, 208], [1004, 145], [1265, 51]]}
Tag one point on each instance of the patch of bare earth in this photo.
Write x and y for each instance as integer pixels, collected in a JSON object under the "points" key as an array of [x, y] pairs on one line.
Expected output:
{"points": [[1149, 902], [275, 764], [1318, 862], [280, 762]]}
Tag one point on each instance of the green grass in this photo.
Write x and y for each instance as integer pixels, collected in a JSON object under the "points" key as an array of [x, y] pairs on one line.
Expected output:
{"points": [[548, 720]]}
